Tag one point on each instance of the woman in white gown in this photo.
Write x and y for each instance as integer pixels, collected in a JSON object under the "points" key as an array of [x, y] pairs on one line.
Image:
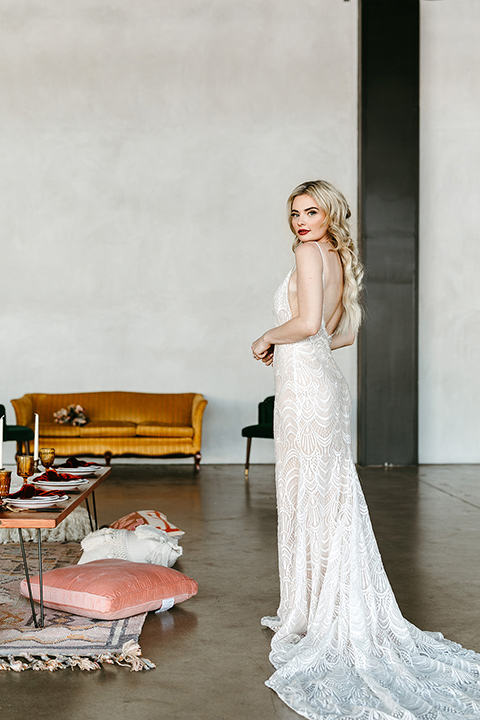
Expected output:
{"points": [[341, 647]]}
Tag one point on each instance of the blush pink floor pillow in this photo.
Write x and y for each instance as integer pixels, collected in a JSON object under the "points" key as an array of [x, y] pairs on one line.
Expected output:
{"points": [[111, 589], [147, 517]]}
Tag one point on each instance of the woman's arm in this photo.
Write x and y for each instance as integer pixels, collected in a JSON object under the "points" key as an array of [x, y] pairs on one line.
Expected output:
{"points": [[338, 341], [343, 340], [310, 303]]}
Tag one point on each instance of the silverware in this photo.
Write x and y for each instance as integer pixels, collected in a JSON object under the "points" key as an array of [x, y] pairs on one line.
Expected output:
{"points": [[22, 510]]}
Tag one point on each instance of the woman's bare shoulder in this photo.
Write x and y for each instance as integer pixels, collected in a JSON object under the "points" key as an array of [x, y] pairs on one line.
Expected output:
{"points": [[307, 251]]}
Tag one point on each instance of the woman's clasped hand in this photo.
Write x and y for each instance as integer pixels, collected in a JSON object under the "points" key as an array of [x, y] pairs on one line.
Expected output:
{"points": [[263, 351]]}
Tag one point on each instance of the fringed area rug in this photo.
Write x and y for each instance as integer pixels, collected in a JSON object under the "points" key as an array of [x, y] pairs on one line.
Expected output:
{"points": [[66, 641]]}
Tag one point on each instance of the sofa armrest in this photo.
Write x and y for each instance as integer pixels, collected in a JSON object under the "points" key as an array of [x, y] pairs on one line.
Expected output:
{"points": [[198, 408], [23, 410]]}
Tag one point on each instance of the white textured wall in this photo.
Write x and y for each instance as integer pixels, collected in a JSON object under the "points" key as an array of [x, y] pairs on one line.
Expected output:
{"points": [[147, 151], [450, 233]]}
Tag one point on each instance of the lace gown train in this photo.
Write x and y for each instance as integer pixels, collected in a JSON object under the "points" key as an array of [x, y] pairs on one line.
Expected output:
{"points": [[342, 649]]}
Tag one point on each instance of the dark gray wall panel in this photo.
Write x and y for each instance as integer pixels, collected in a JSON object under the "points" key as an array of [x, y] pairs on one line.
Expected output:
{"points": [[389, 160]]}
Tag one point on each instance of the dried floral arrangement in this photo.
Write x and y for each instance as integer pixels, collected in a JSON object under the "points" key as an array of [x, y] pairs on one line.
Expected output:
{"points": [[71, 415]]}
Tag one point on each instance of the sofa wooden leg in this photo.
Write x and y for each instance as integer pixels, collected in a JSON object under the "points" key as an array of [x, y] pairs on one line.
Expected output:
{"points": [[197, 458], [108, 457]]}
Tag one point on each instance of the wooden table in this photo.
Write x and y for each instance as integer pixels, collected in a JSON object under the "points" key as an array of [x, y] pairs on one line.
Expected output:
{"points": [[51, 518]]}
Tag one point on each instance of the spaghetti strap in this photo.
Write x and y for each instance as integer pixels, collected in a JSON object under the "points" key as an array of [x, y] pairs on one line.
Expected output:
{"points": [[323, 283], [323, 269]]}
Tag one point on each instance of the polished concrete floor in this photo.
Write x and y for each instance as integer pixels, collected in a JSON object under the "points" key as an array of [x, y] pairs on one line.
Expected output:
{"points": [[211, 653]]}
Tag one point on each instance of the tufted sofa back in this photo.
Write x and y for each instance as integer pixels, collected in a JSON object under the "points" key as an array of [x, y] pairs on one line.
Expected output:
{"points": [[127, 406]]}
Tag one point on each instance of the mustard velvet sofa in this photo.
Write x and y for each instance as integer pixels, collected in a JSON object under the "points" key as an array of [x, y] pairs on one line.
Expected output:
{"points": [[120, 423]]}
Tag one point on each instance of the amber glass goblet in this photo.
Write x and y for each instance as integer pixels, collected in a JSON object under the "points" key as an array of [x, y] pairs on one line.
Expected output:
{"points": [[5, 477], [25, 466], [47, 457]]}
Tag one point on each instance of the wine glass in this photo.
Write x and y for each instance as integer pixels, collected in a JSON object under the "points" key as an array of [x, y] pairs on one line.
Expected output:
{"points": [[25, 466], [47, 457]]}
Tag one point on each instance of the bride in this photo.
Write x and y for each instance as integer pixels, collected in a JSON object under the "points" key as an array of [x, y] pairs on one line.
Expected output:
{"points": [[341, 648]]}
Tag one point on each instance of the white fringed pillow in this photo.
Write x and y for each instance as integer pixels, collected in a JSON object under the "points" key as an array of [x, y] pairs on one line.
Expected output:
{"points": [[144, 545]]}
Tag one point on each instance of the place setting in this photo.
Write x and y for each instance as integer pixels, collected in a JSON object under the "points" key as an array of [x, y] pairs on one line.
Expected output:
{"points": [[28, 497], [42, 492], [73, 466], [72, 475], [68, 475], [44, 500]]}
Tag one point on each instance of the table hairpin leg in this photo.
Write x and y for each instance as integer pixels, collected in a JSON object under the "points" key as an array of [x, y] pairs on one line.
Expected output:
{"points": [[89, 514], [94, 522], [40, 573], [25, 566], [94, 510]]}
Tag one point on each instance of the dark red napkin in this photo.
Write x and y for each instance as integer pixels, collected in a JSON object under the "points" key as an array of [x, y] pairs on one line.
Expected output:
{"points": [[54, 476], [74, 462], [29, 491]]}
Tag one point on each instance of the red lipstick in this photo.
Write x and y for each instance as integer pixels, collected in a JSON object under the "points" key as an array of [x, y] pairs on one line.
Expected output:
{"points": [[303, 232]]}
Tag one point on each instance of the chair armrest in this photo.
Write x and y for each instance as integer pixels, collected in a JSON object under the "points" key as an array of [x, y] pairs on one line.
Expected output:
{"points": [[23, 410], [198, 408]]}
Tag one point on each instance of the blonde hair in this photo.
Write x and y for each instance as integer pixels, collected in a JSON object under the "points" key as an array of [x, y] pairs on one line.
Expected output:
{"points": [[337, 212]]}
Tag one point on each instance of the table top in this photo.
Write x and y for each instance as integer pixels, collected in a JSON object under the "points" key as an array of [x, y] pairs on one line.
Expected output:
{"points": [[51, 517]]}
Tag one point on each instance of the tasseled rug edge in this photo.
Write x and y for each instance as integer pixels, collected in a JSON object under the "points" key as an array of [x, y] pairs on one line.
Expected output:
{"points": [[129, 656]]}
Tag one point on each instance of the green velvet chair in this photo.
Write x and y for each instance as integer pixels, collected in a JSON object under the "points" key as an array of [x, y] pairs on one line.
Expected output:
{"points": [[264, 428], [20, 433]]}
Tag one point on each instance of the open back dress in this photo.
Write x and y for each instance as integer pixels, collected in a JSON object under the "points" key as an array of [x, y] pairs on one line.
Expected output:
{"points": [[341, 647]]}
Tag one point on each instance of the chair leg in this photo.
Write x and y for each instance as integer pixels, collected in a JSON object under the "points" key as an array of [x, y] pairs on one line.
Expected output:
{"points": [[247, 461]]}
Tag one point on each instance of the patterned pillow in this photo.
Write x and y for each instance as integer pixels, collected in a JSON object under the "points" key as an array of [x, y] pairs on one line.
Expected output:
{"points": [[147, 517], [112, 589]]}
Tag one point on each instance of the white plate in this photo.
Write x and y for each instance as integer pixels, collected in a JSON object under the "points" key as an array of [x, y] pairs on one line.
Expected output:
{"points": [[79, 471], [36, 503], [37, 498], [61, 485]]}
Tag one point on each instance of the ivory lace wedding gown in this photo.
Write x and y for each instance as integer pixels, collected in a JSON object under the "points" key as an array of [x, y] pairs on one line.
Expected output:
{"points": [[342, 648]]}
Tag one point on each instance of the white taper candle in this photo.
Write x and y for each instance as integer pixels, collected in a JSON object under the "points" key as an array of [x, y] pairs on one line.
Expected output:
{"points": [[35, 441], [1, 442]]}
